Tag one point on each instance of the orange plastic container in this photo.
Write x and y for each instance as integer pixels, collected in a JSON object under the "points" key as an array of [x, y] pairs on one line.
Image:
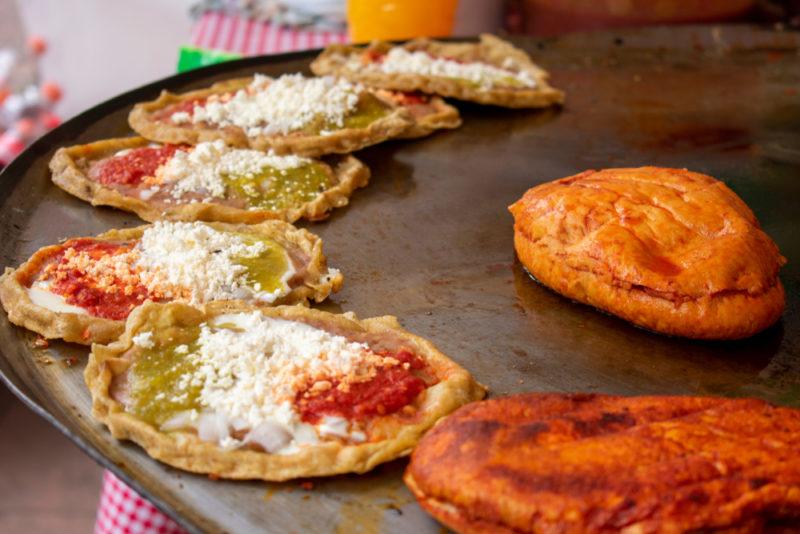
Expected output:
{"points": [[400, 19]]}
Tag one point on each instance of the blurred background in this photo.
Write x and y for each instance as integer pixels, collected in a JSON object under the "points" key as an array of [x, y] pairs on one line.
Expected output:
{"points": [[60, 57]]}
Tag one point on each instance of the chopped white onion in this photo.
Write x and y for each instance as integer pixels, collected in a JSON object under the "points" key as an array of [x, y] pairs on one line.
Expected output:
{"points": [[271, 436], [213, 427]]}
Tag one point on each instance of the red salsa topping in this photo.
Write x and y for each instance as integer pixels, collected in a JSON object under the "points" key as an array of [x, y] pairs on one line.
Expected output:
{"points": [[410, 98], [82, 273], [388, 392], [373, 56], [133, 166]]}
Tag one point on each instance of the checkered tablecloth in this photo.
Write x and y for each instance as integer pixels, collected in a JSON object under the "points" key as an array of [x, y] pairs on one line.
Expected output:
{"points": [[218, 31], [123, 511]]}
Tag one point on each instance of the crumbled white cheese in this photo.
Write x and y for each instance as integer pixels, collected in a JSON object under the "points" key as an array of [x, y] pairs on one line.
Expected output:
{"points": [[147, 194], [181, 117], [250, 368], [281, 105], [203, 168], [399, 60], [144, 340], [201, 261]]}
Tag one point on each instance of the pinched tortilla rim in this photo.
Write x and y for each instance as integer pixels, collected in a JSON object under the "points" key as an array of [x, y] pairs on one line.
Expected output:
{"points": [[445, 117]]}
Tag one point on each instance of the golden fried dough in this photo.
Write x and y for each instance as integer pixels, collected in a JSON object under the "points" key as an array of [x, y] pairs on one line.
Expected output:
{"points": [[313, 280], [355, 62], [596, 463], [667, 249], [387, 436], [74, 169], [151, 120]]}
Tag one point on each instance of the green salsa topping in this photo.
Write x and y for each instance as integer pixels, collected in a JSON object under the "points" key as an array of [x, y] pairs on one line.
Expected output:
{"points": [[510, 81], [267, 269], [155, 379], [157, 373], [275, 189], [368, 109]]}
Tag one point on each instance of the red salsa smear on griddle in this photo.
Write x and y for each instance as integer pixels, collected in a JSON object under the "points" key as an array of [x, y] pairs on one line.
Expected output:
{"points": [[132, 167], [388, 392], [106, 295]]}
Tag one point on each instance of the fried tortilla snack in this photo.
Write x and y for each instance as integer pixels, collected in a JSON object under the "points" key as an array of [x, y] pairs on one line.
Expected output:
{"points": [[490, 72], [430, 112], [206, 182], [290, 115], [596, 463], [83, 289], [271, 393], [670, 250]]}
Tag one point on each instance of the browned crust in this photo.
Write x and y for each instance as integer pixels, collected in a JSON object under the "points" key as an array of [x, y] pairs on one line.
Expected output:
{"points": [[348, 171], [726, 285], [87, 329], [452, 517], [339, 142], [185, 451], [491, 50], [446, 117], [598, 463]]}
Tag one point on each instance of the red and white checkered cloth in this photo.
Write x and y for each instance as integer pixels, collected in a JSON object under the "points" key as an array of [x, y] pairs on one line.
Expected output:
{"points": [[229, 33], [123, 511]]}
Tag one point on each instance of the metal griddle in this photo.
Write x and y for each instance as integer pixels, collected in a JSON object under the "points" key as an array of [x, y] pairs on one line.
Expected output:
{"points": [[430, 240]]}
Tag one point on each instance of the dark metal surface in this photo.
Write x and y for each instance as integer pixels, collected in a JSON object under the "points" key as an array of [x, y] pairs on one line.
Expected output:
{"points": [[430, 241]]}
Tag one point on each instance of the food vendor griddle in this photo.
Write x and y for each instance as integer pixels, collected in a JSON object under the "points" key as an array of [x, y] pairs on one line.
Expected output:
{"points": [[430, 241]]}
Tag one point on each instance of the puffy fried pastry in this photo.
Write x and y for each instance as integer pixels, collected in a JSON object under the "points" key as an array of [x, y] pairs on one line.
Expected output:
{"points": [[290, 114], [206, 182], [273, 394], [597, 463], [667, 249], [492, 71]]}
